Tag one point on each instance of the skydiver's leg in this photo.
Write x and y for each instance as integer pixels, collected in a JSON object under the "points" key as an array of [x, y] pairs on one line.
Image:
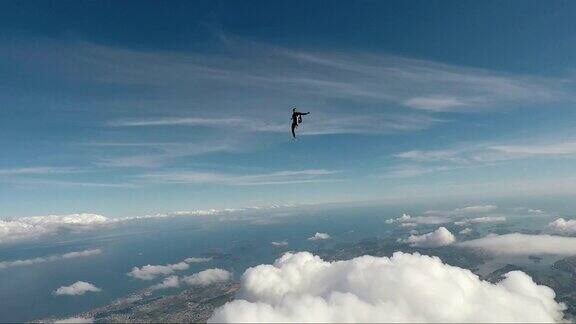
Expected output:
{"points": [[293, 127]]}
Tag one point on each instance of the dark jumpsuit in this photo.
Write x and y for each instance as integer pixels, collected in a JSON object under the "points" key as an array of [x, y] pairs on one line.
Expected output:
{"points": [[295, 116]]}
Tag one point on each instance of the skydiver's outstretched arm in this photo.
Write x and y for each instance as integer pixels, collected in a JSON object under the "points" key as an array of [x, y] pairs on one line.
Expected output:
{"points": [[300, 114]]}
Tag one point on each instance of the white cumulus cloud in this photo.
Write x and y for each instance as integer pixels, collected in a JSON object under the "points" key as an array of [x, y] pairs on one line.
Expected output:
{"points": [[150, 272], [480, 209], [207, 277], [197, 260], [536, 211], [80, 254], [75, 320], [302, 287], [488, 219], [77, 288], [561, 225], [403, 218], [319, 236], [413, 220], [169, 282], [480, 220], [202, 278], [280, 243], [523, 244], [440, 237]]}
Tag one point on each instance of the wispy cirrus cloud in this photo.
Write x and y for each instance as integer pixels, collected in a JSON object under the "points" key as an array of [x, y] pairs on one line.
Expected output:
{"points": [[543, 149], [320, 124], [273, 178], [472, 155], [411, 170], [479, 153], [156, 154], [71, 184], [233, 123], [37, 171], [49, 176], [430, 156], [256, 79], [436, 103], [445, 87], [222, 102]]}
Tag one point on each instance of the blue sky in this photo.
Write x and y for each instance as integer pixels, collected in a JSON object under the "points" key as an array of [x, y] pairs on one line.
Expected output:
{"points": [[127, 108]]}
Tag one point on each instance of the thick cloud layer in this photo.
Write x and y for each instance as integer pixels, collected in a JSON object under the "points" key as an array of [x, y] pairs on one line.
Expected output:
{"points": [[524, 244], [207, 277], [29, 228], [563, 226], [77, 288], [26, 228], [319, 236], [302, 287], [440, 237], [50, 258]]}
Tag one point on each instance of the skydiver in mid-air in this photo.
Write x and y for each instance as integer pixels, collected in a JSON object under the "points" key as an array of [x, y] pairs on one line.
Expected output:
{"points": [[296, 119]]}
